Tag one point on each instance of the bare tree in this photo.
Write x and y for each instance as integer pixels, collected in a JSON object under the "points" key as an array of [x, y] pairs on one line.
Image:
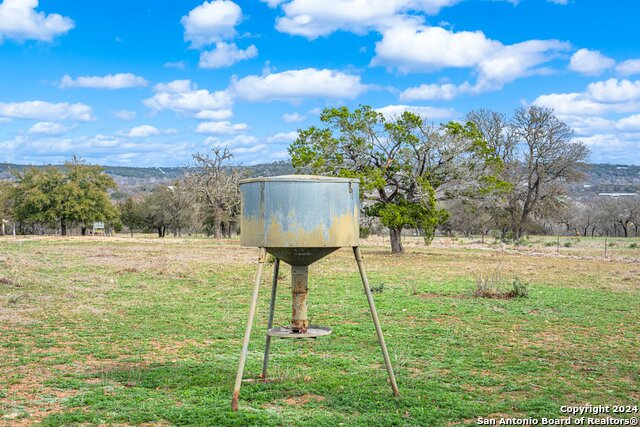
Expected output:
{"points": [[215, 186], [540, 156]]}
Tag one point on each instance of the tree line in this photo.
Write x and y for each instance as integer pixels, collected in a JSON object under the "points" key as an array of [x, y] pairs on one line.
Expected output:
{"points": [[486, 174], [46, 200]]}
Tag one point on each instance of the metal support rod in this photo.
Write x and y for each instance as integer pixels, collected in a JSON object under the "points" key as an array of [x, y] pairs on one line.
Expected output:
{"points": [[299, 289], [272, 306], [247, 332], [376, 321]]}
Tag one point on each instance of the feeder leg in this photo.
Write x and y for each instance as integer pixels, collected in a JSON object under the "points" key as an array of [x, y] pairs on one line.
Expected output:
{"points": [[247, 332], [272, 306], [376, 321]]}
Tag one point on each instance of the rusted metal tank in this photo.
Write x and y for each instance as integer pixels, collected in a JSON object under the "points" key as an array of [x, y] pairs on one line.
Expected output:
{"points": [[300, 218]]}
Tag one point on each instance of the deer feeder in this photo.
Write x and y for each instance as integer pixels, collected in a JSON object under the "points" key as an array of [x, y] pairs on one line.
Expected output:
{"points": [[299, 219]]}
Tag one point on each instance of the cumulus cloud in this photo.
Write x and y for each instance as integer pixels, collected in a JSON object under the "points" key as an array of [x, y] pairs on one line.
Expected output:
{"points": [[110, 81], [297, 84], [225, 55], [629, 67], [48, 128], [184, 96], [293, 117], [125, 115], [432, 91], [224, 127], [214, 114], [431, 113], [287, 137], [142, 131], [312, 18], [590, 62], [411, 48], [42, 110], [629, 124], [594, 115], [20, 21], [211, 22]]}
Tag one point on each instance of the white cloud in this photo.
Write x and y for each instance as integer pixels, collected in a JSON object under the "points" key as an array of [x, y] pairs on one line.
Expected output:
{"points": [[214, 115], [590, 62], [235, 142], [273, 3], [110, 81], [298, 84], [431, 113], [42, 110], [314, 18], [629, 124], [409, 48], [48, 128], [593, 114], [293, 117], [211, 22], [20, 21], [287, 137], [177, 64], [4, 120], [225, 55], [183, 95], [629, 67], [125, 114], [614, 90], [224, 127], [561, 2], [587, 125], [429, 92], [142, 131]]}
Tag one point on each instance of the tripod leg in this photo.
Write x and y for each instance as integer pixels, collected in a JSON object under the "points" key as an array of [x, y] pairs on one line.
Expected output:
{"points": [[247, 333], [272, 306], [376, 321]]}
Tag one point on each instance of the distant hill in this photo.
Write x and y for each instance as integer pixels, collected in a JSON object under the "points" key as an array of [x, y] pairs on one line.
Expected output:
{"points": [[600, 178], [139, 180]]}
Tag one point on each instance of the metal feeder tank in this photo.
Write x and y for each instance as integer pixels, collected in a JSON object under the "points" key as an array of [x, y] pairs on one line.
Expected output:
{"points": [[299, 219]]}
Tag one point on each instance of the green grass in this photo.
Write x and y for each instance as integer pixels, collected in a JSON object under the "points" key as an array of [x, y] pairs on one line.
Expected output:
{"points": [[148, 331]]}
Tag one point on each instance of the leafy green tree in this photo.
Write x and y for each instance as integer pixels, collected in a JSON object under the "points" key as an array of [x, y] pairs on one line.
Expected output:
{"points": [[76, 193], [6, 204], [131, 214], [404, 163]]}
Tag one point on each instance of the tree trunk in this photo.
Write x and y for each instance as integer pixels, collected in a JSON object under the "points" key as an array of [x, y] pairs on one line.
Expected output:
{"points": [[159, 231], [63, 227], [83, 231], [395, 237], [131, 230]]}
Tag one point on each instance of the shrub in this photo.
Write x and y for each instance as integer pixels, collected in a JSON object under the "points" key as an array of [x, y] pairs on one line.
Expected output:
{"points": [[519, 289], [365, 232], [633, 246], [567, 244], [490, 285], [377, 289]]}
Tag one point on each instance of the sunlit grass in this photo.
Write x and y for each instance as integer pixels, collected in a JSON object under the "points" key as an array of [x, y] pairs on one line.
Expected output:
{"points": [[143, 330]]}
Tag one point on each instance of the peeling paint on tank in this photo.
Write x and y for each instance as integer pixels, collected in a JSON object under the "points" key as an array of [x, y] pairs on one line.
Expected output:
{"points": [[305, 212]]}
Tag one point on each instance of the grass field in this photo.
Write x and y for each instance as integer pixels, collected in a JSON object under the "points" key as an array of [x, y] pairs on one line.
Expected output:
{"points": [[134, 331]]}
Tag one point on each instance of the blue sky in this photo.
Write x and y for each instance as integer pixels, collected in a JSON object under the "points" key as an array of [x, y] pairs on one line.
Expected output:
{"points": [[148, 83]]}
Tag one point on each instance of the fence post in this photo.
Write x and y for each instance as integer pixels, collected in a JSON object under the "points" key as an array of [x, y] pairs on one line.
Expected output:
{"points": [[605, 247], [558, 245]]}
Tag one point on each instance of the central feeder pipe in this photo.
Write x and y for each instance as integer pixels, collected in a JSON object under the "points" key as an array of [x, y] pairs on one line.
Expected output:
{"points": [[299, 289]]}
